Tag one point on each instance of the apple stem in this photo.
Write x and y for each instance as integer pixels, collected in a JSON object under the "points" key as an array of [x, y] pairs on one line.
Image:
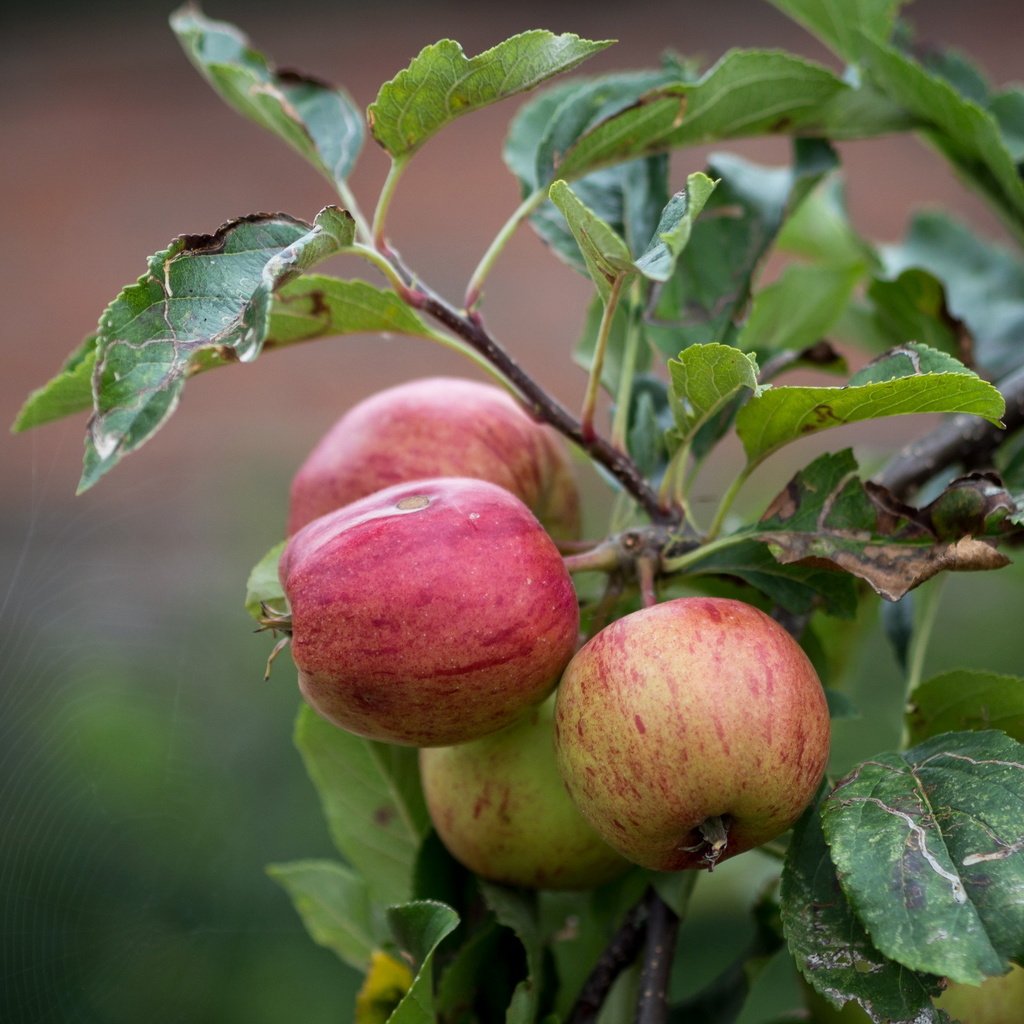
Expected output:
{"points": [[646, 571], [659, 950], [605, 557]]}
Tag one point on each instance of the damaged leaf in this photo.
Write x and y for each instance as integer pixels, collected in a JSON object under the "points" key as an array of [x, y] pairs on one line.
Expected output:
{"points": [[318, 120], [202, 293], [827, 516], [831, 948], [929, 848]]}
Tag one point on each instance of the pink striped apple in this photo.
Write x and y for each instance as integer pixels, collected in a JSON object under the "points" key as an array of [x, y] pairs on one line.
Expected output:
{"points": [[430, 613], [691, 731]]}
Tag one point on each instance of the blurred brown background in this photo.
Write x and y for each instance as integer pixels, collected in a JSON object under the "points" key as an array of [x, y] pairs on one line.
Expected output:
{"points": [[147, 773]]}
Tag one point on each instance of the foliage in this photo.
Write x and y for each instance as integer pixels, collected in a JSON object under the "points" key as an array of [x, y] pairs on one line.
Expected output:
{"points": [[910, 867]]}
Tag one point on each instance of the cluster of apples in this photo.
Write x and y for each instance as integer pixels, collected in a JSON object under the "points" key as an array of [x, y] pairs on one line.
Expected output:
{"points": [[431, 607]]}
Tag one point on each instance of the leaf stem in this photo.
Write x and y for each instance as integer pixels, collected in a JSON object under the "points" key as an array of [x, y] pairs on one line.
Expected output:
{"points": [[727, 499], [351, 204], [927, 608], [680, 563], [383, 264], [483, 269], [597, 362], [624, 395], [387, 193]]}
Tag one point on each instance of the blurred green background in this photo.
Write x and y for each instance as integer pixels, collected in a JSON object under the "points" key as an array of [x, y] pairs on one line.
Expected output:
{"points": [[147, 770]]}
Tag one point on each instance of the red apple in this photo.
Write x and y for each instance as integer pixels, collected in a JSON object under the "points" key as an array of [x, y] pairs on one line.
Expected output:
{"points": [[429, 613], [439, 426], [501, 809], [691, 731]]}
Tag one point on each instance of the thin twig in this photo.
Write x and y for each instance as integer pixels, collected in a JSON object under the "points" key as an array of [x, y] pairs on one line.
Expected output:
{"points": [[963, 439], [545, 408], [662, 931], [617, 956]]}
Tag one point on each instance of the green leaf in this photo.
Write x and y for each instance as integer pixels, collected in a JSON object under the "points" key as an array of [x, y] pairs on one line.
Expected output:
{"points": [[627, 317], [839, 25], [68, 392], [1007, 107], [628, 197], [658, 261], [747, 92], [263, 585], [798, 588], [827, 516], [911, 379], [419, 929], [203, 292], [334, 904], [722, 999], [315, 305], [371, 798], [819, 230], [912, 307], [441, 83], [319, 121], [966, 699], [983, 281], [929, 848], [460, 983], [548, 125], [605, 253], [516, 909], [831, 948], [711, 287], [703, 380], [799, 308], [966, 133]]}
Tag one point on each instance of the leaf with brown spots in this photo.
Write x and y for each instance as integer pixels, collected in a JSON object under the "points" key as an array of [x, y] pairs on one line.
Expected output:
{"points": [[828, 517]]}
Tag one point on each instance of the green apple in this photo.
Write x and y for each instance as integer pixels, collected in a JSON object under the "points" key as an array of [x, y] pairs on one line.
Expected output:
{"points": [[501, 809], [429, 613], [691, 731], [438, 426], [998, 1000]]}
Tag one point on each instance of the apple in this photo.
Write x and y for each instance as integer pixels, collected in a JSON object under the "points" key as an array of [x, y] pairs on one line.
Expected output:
{"points": [[998, 1000], [691, 731], [501, 809], [432, 612], [438, 426]]}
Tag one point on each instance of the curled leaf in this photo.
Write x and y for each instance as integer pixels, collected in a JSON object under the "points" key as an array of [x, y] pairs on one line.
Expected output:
{"points": [[827, 516]]}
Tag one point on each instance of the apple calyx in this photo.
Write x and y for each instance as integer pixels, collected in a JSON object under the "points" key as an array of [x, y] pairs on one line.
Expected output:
{"points": [[275, 621]]}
